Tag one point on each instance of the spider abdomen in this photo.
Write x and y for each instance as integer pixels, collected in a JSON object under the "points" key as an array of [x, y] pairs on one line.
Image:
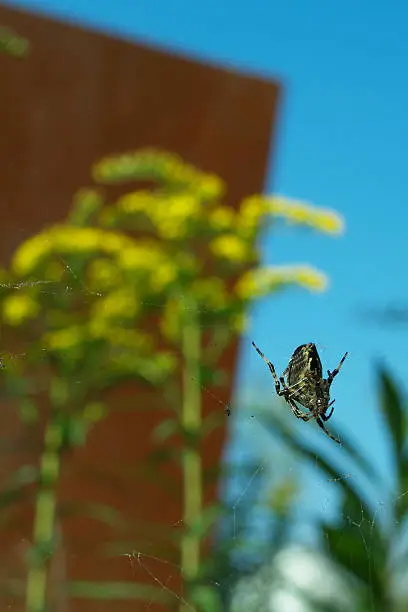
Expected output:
{"points": [[305, 384]]}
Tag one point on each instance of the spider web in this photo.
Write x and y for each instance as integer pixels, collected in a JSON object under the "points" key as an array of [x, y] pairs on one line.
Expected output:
{"points": [[291, 579]]}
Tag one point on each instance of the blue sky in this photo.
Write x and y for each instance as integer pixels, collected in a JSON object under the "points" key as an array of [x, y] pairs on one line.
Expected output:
{"points": [[341, 143]]}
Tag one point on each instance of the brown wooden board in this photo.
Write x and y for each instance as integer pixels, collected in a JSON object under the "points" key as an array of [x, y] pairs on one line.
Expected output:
{"points": [[78, 96]]}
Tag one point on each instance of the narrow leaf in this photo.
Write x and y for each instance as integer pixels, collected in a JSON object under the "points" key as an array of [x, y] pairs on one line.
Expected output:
{"points": [[391, 404]]}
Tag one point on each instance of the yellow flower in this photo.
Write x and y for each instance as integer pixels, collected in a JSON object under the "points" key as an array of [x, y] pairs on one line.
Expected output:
{"points": [[75, 239], [262, 281], [134, 339], [221, 218], [239, 322], [210, 292], [211, 187], [86, 203], [143, 256], [122, 303], [252, 208], [230, 247], [303, 213], [172, 215], [99, 327], [161, 278], [65, 339], [310, 278], [18, 308], [329, 222], [102, 274], [137, 201], [30, 253], [161, 166], [113, 243]]}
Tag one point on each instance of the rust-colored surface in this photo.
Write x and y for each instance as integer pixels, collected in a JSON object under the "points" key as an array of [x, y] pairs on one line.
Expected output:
{"points": [[79, 96]]}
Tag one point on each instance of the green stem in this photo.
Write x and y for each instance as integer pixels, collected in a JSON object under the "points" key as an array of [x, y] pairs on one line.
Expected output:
{"points": [[191, 464], [44, 520]]}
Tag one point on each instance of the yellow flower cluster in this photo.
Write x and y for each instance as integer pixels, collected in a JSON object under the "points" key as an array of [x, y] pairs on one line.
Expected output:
{"points": [[86, 203], [222, 218], [120, 304], [143, 256], [65, 239], [303, 213], [170, 214], [30, 254], [103, 274], [18, 308], [66, 338], [230, 247], [209, 292], [252, 209], [151, 164], [262, 281]]}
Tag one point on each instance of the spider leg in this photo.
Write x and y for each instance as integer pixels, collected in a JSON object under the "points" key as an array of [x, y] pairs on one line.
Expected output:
{"points": [[336, 370], [297, 386], [326, 417], [272, 370], [298, 413], [320, 423]]}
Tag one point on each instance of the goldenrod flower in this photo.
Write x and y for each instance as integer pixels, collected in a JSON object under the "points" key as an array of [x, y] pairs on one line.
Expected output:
{"points": [[239, 322], [103, 274], [211, 187], [161, 278], [221, 218], [309, 278], [137, 201], [65, 339], [86, 203], [209, 292], [303, 213], [18, 308], [29, 255], [122, 303], [114, 243], [230, 247], [252, 208], [260, 282], [74, 239], [142, 256]]}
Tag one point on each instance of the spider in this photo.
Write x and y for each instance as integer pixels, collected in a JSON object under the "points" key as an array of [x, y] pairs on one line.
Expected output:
{"points": [[304, 384]]}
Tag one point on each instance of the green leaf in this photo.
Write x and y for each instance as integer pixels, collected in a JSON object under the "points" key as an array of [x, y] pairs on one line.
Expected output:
{"points": [[357, 455], [120, 590], [206, 598], [271, 422], [12, 44], [164, 430], [100, 512], [77, 431], [391, 404], [347, 546]]}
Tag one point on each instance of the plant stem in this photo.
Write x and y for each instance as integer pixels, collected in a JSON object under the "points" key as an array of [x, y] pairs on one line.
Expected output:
{"points": [[44, 520], [192, 469]]}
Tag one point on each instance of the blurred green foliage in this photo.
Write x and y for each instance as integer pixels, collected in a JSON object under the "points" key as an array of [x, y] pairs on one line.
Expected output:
{"points": [[366, 544], [125, 290], [13, 44]]}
